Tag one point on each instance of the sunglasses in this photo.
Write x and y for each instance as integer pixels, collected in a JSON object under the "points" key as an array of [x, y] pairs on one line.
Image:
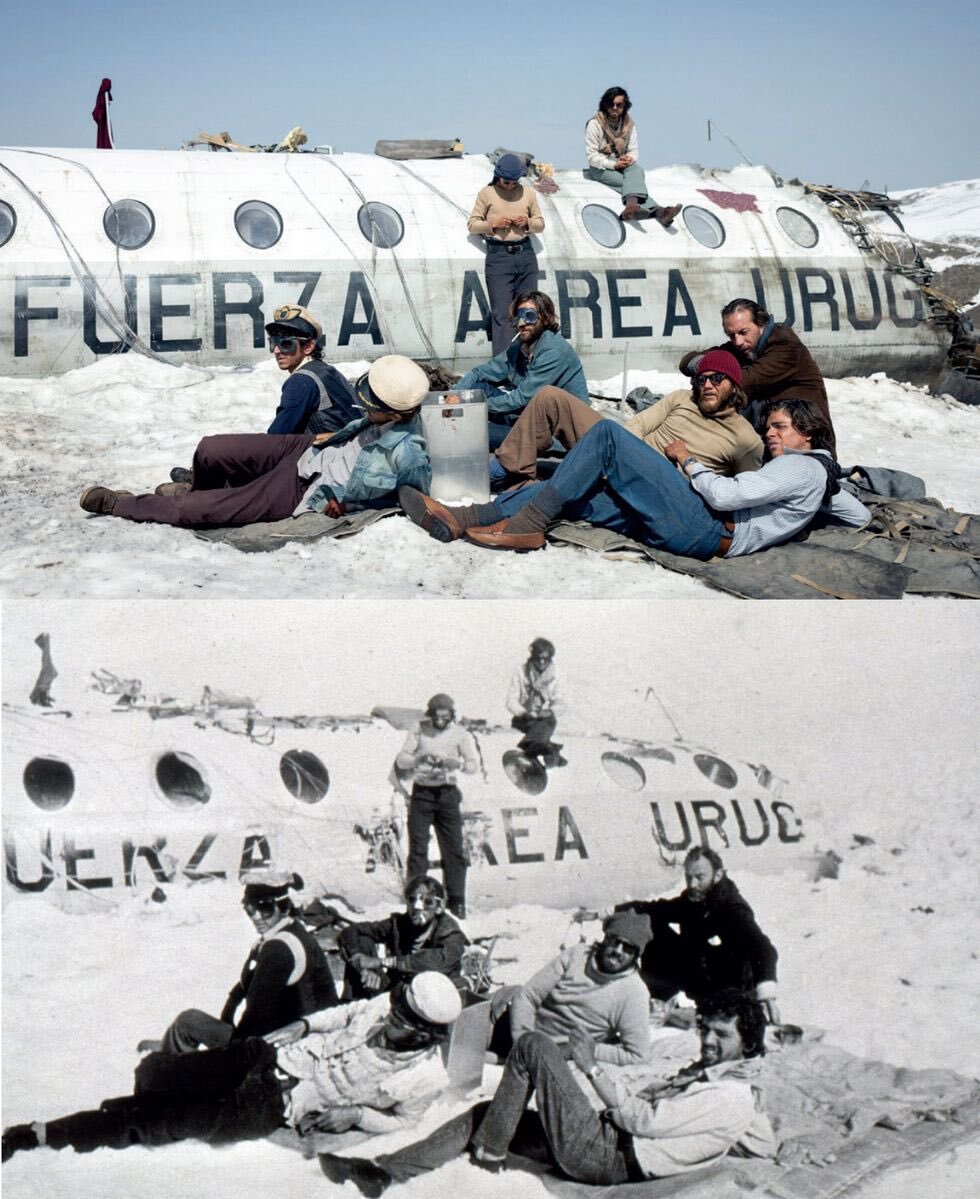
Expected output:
{"points": [[526, 316], [288, 345], [715, 377], [429, 902], [261, 907], [624, 946]]}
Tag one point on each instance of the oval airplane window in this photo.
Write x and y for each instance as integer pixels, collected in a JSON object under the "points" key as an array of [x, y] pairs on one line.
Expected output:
{"points": [[258, 224], [704, 226], [128, 224], [49, 783], [304, 775], [603, 226], [8, 222], [380, 224], [624, 772], [181, 780], [716, 771], [799, 227], [527, 774]]}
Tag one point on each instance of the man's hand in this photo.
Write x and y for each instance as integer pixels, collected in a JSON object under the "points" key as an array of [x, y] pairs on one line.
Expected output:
{"points": [[335, 508], [500, 1001], [771, 1008], [501, 222], [339, 1118], [287, 1034], [624, 161], [520, 221], [320, 438], [582, 1049], [370, 970], [451, 763], [677, 450]]}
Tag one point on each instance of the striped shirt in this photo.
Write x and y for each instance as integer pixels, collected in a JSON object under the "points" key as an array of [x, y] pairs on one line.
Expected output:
{"points": [[773, 504]]}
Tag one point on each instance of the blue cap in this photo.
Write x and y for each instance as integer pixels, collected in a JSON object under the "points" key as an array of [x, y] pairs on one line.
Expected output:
{"points": [[509, 167]]}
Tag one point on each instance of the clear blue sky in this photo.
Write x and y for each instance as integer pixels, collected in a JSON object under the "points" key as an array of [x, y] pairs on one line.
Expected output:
{"points": [[832, 92]]}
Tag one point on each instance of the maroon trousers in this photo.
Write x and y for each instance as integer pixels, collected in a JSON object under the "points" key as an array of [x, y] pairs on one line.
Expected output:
{"points": [[239, 479]]}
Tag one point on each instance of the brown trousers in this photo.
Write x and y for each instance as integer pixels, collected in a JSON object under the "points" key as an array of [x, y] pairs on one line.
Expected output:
{"points": [[551, 413], [239, 479]]}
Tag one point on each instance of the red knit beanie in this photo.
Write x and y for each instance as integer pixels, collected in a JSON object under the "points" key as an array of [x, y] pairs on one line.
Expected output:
{"points": [[721, 360]]}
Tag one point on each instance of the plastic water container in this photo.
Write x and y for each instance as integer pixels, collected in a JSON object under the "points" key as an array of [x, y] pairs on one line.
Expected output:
{"points": [[454, 424]]}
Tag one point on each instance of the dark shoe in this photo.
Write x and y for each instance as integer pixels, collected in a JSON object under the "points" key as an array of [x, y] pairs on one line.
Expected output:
{"points": [[458, 910], [422, 510], [370, 1180], [19, 1136], [148, 1046], [634, 212], [496, 537], [666, 215], [172, 489], [180, 474], [554, 759], [100, 500]]}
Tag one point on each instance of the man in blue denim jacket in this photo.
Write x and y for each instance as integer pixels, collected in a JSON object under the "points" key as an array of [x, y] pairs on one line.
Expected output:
{"points": [[241, 479], [537, 357]]}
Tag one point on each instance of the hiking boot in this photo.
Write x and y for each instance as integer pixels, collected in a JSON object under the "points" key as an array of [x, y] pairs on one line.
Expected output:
{"points": [[370, 1180], [435, 518], [172, 489], [666, 215], [180, 474], [554, 759], [635, 212], [149, 1046], [19, 1136], [100, 500]]}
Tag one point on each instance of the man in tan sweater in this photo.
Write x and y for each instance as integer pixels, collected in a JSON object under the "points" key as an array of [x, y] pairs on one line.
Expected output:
{"points": [[707, 417], [505, 214]]}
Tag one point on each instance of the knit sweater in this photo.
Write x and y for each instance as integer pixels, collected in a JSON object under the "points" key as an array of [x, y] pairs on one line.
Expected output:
{"points": [[571, 993], [726, 443], [492, 203]]}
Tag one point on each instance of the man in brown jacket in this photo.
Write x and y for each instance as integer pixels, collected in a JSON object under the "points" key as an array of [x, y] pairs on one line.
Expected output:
{"points": [[776, 365]]}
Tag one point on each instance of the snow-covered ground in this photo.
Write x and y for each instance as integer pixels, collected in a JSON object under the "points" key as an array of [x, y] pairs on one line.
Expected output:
{"points": [[866, 710], [125, 421]]}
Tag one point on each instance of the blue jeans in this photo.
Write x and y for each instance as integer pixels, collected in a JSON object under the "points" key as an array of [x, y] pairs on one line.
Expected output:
{"points": [[613, 479], [566, 1131]]}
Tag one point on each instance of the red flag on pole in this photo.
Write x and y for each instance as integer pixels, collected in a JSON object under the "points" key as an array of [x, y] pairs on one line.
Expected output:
{"points": [[100, 115]]}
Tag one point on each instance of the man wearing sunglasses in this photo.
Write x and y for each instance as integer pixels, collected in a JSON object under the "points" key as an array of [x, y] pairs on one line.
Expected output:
{"points": [[316, 398], [372, 1066], [775, 363], [285, 975], [707, 416], [613, 480], [595, 989], [381, 954], [243, 478], [537, 357]]}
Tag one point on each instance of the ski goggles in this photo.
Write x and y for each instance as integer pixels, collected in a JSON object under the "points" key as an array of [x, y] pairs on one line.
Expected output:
{"points": [[288, 344], [526, 316]]}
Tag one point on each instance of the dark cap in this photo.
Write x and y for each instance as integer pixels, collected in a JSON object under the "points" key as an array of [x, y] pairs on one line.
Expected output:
{"points": [[270, 884], [629, 926], [509, 167], [290, 318]]}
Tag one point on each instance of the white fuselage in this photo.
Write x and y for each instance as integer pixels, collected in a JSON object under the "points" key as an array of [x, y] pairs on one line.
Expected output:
{"points": [[196, 292]]}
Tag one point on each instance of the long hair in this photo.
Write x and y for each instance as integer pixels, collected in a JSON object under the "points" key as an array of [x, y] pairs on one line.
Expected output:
{"points": [[610, 94], [807, 420], [756, 311], [544, 305]]}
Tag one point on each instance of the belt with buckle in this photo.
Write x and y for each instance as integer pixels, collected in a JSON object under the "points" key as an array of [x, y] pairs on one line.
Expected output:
{"points": [[726, 542], [512, 247]]}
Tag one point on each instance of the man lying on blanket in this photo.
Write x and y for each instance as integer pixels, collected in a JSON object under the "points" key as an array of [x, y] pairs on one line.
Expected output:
{"points": [[687, 1123]]}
